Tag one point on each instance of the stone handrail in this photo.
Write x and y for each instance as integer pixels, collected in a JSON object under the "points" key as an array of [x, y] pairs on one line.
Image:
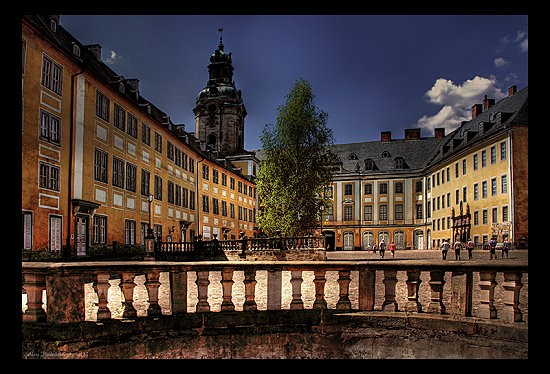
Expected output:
{"points": [[64, 285]]}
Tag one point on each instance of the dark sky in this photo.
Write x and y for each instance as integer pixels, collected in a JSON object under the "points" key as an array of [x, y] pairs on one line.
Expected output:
{"points": [[370, 73]]}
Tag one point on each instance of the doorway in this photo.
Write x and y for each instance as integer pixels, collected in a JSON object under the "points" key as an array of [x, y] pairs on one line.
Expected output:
{"points": [[81, 239]]}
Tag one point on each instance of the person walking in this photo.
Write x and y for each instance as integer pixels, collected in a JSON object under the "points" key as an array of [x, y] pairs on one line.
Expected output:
{"points": [[382, 248], [457, 247], [505, 248], [492, 248], [392, 249], [470, 248], [445, 248], [374, 247]]}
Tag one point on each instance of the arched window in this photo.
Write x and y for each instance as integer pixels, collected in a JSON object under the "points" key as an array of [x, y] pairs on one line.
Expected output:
{"points": [[399, 163], [399, 239], [212, 140], [368, 239], [385, 154], [385, 236], [348, 241], [352, 156], [369, 164]]}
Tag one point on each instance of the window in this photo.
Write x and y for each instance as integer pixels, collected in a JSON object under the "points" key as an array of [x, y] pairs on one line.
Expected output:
{"points": [[158, 188], [177, 156], [418, 209], [429, 210], [118, 172], [348, 212], [245, 214], [476, 191], [398, 187], [224, 179], [493, 186], [231, 210], [240, 215], [493, 154], [132, 125], [418, 186], [100, 230], [503, 184], [130, 232], [191, 199], [442, 176], [476, 160], [27, 230], [102, 104], [245, 189], [240, 187], [100, 166], [145, 177], [457, 196], [385, 154], [399, 239], [483, 158], [438, 202], [56, 230], [191, 165], [449, 173], [443, 202], [448, 199], [484, 216], [215, 176], [464, 167], [50, 128], [170, 188], [367, 189], [437, 178], [215, 206], [383, 188], [177, 198], [352, 156], [456, 170], [369, 164], [205, 207], [131, 177], [383, 212], [145, 133], [348, 189], [157, 231], [464, 194], [224, 208], [49, 176], [505, 213], [143, 232], [158, 142], [484, 189], [184, 160], [206, 172], [52, 75], [184, 197], [476, 218], [398, 214], [399, 163], [443, 224], [367, 212], [170, 150], [503, 151], [494, 215], [119, 117]]}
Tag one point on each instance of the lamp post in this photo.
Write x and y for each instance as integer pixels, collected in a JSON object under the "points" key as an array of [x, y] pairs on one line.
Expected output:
{"points": [[150, 238], [321, 209]]}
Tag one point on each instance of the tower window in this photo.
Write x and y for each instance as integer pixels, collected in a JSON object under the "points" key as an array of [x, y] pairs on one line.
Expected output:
{"points": [[212, 139]]}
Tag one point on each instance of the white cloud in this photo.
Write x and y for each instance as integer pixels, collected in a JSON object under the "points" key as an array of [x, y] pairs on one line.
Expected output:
{"points": [[523, 45], [456, 101], [500, 62], [520, 39], [113, 58]]}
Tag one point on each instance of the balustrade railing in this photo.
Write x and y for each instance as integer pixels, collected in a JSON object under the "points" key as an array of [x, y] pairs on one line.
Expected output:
{"points": [[73, 292]]}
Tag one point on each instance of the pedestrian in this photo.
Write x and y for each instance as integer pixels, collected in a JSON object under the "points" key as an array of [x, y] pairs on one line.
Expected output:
{"points": [[444, 248], [492, 248], [374, 247], [470, 248], [392, 249], [457, 247], [369, 248], [505, 248], [382, 248]]}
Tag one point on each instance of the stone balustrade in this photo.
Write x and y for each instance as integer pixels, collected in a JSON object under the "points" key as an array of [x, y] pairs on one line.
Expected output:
{"points": [[471, 286]]}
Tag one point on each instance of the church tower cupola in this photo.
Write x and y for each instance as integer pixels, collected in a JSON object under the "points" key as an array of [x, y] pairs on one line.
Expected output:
{"points": [[220, 111]]}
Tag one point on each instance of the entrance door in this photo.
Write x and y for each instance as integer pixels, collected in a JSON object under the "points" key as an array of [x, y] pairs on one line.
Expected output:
{"points": [[348, 241], [81, 241]]}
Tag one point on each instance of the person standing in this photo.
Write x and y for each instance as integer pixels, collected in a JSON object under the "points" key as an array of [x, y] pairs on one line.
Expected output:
{"points": [[505, 248], [374, 247], [382, 248], [444, 248], [457, 247], [492, 248], [392, 249], [470, 248]]}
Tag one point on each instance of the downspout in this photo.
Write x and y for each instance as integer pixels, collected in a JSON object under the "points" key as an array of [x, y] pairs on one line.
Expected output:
{"points": [[197, 205]]}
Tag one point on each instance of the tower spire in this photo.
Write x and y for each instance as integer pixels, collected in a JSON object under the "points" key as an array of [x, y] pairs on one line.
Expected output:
{"points": [[220, 46]]}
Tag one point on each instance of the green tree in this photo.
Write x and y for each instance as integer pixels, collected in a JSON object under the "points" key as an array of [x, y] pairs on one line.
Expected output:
{"points": [[294, 165]]}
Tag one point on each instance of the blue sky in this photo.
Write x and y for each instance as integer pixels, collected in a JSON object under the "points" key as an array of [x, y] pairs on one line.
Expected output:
{"points": [[370, 73]]}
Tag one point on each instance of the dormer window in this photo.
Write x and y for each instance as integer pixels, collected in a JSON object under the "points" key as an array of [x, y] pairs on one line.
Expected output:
{"points": [[121, 87], [76, 50], [480, 127], [399, 163], [369, 164], [53, 25], [352, 156], [385, 154]]}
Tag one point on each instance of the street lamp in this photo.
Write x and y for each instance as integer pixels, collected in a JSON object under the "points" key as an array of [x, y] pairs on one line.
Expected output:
{"points": [[150, 238]]}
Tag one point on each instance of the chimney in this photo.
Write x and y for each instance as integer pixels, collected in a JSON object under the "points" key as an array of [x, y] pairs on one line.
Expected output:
{"points": [[487, 103], [385, 136], [512, 90], [476, 110], [96, 50], [412, 134], [439, 132]]}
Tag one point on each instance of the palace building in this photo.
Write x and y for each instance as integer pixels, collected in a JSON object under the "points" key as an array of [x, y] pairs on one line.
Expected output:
{"points": [[101, 163]]}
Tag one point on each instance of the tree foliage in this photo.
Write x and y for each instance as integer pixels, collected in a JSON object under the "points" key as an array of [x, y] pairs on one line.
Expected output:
{"points": [[293, 168]]}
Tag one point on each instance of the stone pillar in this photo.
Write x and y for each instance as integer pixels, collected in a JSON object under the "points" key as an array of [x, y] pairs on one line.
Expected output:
{"points": [[367, 283], [487, 284], [178, 291], [227, 285], [249, 290], [274, 289], [413, 285], [436, 282], [65, 298], [152, 284], [343, 283], [35, 284], [512, 284], [461, 296], [296, 281], [101, 287], [202, 291], [390, 280], [127, 286], [319, 281]]}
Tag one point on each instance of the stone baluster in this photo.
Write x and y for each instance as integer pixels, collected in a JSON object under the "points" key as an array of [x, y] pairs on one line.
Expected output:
{"points": [[296, 281], [319, 281], [436, 282], [487, 284], [178, 291], [461, 293], [34, 285], [512, 284], [390, 280], [152, 284], [413, 286], [101, 287], [367, 283], [249, 290], [227, 285], [127, 286], [202, 291], [343, 284], [274, 289]]}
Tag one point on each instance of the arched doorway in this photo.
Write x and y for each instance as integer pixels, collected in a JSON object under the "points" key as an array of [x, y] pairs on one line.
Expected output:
{"points": [[418, 239]]}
